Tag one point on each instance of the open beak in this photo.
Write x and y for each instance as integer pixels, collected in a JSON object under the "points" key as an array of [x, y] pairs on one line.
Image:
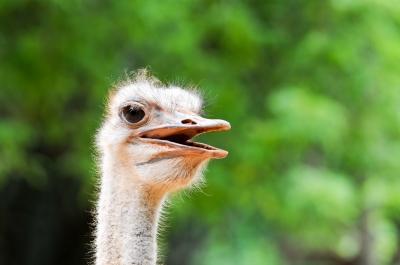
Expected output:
{"points": [[179, 131]]}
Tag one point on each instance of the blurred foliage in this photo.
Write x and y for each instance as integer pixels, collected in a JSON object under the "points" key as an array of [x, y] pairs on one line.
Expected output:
{"points": [[312, 89]]}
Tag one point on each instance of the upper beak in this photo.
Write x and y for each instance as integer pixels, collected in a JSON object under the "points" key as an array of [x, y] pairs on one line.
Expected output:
{"points": [[180, 128]]}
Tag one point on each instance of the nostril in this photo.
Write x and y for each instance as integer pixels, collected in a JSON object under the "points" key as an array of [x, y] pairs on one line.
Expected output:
{"points": [[188, 121]]}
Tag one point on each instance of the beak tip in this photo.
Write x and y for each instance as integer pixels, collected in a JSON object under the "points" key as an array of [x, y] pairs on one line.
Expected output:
{"points": [[221, 154], [226, 125]]}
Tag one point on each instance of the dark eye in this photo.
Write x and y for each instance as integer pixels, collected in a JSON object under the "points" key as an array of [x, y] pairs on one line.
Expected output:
{"points": [[133, 114]]}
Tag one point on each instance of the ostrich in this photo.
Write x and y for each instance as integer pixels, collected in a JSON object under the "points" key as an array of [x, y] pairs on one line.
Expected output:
{"points": [[146, 152]]}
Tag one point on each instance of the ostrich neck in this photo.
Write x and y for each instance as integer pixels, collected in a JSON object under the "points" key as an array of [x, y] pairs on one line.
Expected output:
{"points": [[127, 220]]}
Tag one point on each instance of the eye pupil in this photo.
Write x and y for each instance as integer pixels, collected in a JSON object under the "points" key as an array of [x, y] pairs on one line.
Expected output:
{"points": [[133, 114]]}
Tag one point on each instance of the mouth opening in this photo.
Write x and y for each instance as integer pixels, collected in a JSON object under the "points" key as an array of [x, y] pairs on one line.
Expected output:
{"points": [[181, 139]]}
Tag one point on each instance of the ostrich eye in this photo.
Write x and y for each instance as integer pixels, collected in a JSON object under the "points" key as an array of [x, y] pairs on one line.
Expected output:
{"points": [[132, 114]]}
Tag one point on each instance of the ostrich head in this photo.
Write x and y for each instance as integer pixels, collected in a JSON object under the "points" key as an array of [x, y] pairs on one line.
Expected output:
{"points": [[148, 132]]}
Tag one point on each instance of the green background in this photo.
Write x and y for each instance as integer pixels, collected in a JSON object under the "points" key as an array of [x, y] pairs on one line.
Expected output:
{"points": [[311, 88]]}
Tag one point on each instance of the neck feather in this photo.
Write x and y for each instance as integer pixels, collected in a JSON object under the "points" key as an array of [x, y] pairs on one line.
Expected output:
{"points": [[127, 219]]}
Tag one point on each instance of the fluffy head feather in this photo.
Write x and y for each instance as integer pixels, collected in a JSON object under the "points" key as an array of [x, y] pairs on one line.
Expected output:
{"points": [[143, 86]]}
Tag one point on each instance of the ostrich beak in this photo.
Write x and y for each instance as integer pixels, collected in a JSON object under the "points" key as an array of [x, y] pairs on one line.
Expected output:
{"points": [[178, 130]]}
